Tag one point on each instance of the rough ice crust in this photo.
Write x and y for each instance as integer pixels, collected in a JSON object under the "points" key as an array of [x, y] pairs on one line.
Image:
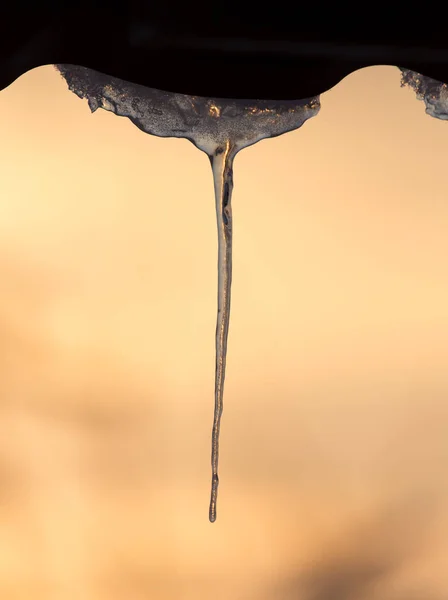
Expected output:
{"points": [[208, 123], [433, 93]]}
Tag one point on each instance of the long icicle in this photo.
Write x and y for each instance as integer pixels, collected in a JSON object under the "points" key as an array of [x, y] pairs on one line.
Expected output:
{"points": [[222, 166]]}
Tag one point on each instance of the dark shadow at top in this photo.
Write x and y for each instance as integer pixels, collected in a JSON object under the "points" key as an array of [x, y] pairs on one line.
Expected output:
{"points": [[222, 50]]}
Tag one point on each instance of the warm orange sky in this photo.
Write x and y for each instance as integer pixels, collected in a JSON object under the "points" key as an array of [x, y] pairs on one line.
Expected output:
{"points": [[335, 414]]}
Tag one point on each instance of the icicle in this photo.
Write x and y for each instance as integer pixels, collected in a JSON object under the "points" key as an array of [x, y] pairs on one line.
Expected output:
{"points": [[220, 128]]}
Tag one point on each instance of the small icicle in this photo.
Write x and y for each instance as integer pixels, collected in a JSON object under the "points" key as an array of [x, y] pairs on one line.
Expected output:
{"points": [[222, 166]]}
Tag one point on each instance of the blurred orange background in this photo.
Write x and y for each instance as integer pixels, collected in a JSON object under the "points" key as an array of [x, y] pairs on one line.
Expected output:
{"points": [[334, 445]]}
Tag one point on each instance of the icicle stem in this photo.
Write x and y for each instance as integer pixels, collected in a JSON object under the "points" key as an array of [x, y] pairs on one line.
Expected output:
{"points": [[222, 166]]}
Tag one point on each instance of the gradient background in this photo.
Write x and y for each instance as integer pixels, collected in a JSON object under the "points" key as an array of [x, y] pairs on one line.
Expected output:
{"points": [[334, 447]]}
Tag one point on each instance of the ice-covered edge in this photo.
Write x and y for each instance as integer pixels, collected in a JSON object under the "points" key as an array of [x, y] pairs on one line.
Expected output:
{"points": [[206, 122], [433, 93]]}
